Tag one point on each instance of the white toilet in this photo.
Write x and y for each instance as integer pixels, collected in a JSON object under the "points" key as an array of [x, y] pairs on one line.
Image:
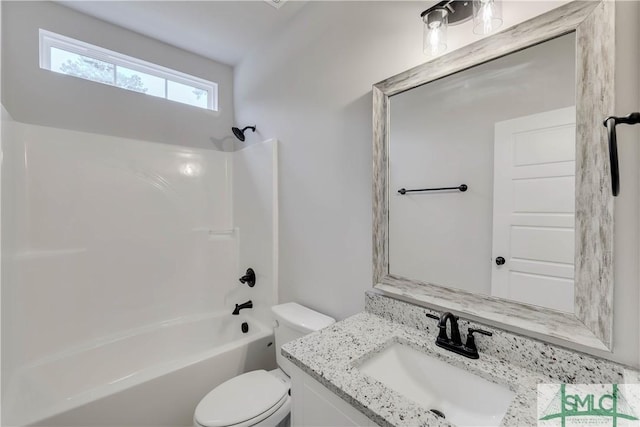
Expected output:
{"points": [[261, 398]]}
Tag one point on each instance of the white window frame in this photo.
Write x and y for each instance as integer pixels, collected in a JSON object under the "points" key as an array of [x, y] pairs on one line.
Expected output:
{"points": [[50, 40]]}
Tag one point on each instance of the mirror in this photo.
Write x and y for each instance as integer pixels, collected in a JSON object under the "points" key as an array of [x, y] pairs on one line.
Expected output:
{"points": [[506, 137], [506, 130]]}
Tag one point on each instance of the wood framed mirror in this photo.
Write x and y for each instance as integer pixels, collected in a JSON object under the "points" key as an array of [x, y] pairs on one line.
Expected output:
{"points": [[586, 319]]}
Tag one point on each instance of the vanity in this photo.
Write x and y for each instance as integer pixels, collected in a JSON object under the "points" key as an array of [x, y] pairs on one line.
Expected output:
{"points": [[382, 367], [493, 214]]}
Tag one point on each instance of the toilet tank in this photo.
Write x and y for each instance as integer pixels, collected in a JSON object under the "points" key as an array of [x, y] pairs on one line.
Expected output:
{"points": [[292, 322]]}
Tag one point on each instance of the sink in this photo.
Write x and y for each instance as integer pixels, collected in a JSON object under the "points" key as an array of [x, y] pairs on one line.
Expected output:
{"points": [[463, 398]]}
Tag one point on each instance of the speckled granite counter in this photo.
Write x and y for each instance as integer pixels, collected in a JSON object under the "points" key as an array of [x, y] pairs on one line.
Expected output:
{"points": [[332, 356]]}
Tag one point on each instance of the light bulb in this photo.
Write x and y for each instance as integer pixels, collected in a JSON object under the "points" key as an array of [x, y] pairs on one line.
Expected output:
{"points": [[434, 39], [487, 16], [486, 11], [435, 32]]}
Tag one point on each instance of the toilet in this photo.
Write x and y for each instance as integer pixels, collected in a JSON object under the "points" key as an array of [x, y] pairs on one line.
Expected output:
{"points": [[260, 398]]}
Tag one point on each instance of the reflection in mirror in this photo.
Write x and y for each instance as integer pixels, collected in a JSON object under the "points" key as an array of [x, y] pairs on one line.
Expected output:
{"points": [[506, 129]]}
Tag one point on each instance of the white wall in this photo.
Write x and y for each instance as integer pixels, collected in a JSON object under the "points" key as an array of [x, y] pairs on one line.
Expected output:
{"points": [[311, 86], [255, 214], [7, 363], [110, 234], [3, 113], [442, 134], [41, 97], [626, 314]]}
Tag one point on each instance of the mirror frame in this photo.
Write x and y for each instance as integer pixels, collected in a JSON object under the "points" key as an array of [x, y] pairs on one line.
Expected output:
{"points": [[592, 323]]}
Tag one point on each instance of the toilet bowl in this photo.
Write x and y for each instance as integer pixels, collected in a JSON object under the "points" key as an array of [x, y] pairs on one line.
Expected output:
{"points": [[257, 398], [260, 398]]}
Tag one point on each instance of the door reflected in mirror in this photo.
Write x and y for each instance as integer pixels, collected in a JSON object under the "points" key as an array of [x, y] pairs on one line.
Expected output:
{"points": [[506, 130]]}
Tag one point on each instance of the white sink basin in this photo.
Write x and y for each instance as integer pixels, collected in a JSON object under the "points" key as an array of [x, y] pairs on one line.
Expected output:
{"points": [[464, 398]]}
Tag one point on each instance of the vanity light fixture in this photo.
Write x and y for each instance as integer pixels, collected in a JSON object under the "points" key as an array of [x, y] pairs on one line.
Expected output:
{"points": [[486, 14]]}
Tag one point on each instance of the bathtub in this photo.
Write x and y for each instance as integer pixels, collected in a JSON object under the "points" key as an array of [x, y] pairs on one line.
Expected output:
{"points": [[151, 376]]}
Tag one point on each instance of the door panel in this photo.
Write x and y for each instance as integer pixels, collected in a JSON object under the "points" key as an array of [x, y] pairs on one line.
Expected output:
{"points": [[544, 195], [542, 244], [535, 289]]}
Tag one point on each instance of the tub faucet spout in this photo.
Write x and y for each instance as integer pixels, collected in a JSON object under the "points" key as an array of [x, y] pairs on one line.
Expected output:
{"points": [[248, 304]]}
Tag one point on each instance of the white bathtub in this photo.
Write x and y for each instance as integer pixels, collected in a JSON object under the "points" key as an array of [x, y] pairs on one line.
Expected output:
{"points": [[151, 376]]}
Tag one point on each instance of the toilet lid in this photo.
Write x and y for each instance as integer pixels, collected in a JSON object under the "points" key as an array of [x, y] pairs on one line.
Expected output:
{"points": [[240, 399]]}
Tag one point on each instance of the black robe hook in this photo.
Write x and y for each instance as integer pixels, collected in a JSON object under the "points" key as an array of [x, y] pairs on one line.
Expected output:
{"points": [[610, 123]]}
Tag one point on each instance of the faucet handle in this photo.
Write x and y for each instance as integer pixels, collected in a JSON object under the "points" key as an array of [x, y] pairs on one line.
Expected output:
{"points": [[442, 335], [433, 316], [471, 331], [249, 278], [471, 342]]}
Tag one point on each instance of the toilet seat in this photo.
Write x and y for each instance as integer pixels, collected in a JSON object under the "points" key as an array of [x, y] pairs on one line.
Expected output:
{"points": [[242, 401]]}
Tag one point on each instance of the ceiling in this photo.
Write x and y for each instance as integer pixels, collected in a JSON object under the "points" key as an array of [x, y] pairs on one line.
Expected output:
{"points": [[224, 31]]}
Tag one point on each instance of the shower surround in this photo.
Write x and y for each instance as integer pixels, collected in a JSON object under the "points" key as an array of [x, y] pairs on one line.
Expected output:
{"points": [[120, 266]]}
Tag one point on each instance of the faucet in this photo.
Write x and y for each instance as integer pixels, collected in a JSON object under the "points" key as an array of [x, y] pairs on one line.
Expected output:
{"points": [[454, 343], [455, 332], [247, 304]]}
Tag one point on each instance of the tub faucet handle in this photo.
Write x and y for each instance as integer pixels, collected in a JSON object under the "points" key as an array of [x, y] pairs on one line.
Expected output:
{"points": [[249, 278]]}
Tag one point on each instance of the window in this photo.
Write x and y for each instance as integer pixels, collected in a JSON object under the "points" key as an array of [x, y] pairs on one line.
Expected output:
{"points": [[75, 58]]}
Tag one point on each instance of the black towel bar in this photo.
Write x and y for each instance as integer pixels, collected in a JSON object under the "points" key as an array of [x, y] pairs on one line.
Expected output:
{"points": [[610, 123], [462, 188]]}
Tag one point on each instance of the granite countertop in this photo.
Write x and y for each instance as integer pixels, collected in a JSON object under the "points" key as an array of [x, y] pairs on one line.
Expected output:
{"points": [[332, 355]]}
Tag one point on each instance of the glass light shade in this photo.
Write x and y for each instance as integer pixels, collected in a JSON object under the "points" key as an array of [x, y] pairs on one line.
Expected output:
{"points": [[435, 31], [487, 16]]}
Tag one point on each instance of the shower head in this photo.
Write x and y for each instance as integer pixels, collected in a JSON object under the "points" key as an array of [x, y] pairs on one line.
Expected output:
{"points": [[240, 133]]}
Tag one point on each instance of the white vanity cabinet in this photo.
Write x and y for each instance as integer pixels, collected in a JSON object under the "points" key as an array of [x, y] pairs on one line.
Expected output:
{"points": [[313, 404]]}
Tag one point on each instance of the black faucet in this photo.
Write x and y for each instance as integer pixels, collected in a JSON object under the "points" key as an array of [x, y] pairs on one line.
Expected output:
{"points": [[249, 278], [247, 304], [454, 343]]}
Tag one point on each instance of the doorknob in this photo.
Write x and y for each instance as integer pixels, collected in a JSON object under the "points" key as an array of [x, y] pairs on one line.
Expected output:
{"points": [[500, 261]]}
